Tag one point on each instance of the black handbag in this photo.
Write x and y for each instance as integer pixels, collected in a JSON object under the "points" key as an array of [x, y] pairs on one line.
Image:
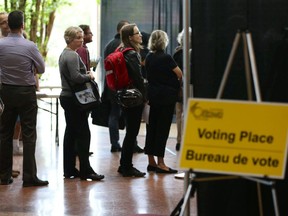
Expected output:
{"points": [[86, 95], [100, 115], [129, 97]]}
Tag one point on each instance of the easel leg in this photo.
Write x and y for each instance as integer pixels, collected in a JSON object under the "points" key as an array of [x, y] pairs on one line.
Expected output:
{"points": [[183, 206], [229, 64], [253, 66], [259, 199], [275, 202], [186, 199], [247, 67], [273, 190]]}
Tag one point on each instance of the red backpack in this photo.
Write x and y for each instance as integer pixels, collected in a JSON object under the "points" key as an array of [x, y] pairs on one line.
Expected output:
{"points": [[116, 70]]}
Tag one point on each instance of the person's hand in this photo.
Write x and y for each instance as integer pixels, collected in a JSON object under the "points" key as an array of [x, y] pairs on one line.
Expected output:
{"points": [[90, 73]]}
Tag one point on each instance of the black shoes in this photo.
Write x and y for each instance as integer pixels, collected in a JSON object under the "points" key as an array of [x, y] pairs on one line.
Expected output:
{"points": [[93, 177], [131, 172], [138, 149], [151, 168], [177, 147], [159, 170], [36, 182], [6, 181], [75, 174], [116, 149]]}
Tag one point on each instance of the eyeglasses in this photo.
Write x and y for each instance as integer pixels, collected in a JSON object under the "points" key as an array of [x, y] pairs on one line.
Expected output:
{"points": [[137, 33]]}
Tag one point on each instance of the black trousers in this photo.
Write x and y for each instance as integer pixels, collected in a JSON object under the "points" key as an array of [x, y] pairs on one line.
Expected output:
{"points": [[133, 122], [160, 119], [76, 138], [20, 101]]}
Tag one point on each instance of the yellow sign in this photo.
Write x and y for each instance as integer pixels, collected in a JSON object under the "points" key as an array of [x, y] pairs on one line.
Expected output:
{"points": [[233, 137]]}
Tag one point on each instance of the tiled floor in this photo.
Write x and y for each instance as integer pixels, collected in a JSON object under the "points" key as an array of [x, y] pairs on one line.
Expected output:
{"points": [[156, 194]]}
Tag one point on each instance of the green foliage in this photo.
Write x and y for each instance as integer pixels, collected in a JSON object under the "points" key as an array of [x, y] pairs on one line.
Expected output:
{"points": [[39, 18]]}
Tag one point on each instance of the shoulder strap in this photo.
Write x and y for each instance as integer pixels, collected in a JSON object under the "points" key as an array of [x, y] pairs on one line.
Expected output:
{"points": [[124, 49]]}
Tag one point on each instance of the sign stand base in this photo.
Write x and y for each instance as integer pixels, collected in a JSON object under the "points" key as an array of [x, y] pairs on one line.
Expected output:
{"points": [[193, 184]]}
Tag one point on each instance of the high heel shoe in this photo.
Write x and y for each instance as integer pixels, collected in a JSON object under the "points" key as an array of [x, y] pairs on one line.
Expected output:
{"points": [[151, 168]]}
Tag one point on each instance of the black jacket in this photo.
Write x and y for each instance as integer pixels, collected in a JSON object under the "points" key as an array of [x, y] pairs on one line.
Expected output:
{"points": [[112, 45], [133, 60]]}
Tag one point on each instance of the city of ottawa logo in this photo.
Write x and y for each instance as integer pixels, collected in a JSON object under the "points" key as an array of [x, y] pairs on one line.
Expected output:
{"points": [[204, 114]]}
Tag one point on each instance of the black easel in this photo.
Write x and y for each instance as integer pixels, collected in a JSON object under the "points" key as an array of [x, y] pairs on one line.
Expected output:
{"points": [[250, 61]]}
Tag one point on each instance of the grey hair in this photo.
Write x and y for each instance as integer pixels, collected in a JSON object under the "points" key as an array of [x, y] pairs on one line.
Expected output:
{"points": [[71, 33], [158, 40], [181, 36]]}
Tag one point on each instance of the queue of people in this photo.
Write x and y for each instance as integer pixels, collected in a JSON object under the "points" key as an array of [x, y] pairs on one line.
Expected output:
{"points": [[160, 95]]}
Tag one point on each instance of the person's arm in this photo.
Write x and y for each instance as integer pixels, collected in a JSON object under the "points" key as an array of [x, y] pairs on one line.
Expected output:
{"points": [[37, 59], [178, 72], [37, 80], [176, 69]]}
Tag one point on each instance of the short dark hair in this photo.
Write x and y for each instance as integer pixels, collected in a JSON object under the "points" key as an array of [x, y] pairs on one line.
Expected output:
{"points": [[121, 24], [85, 28], [15, 19]]}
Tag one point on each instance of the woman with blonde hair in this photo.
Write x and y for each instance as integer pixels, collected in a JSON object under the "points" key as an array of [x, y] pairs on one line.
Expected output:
{"points": [[164, 77], [77, 133]]}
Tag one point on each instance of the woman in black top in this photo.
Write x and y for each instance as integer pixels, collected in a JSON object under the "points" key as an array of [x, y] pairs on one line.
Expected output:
{"points": [[131, 37], [164, 78]]}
